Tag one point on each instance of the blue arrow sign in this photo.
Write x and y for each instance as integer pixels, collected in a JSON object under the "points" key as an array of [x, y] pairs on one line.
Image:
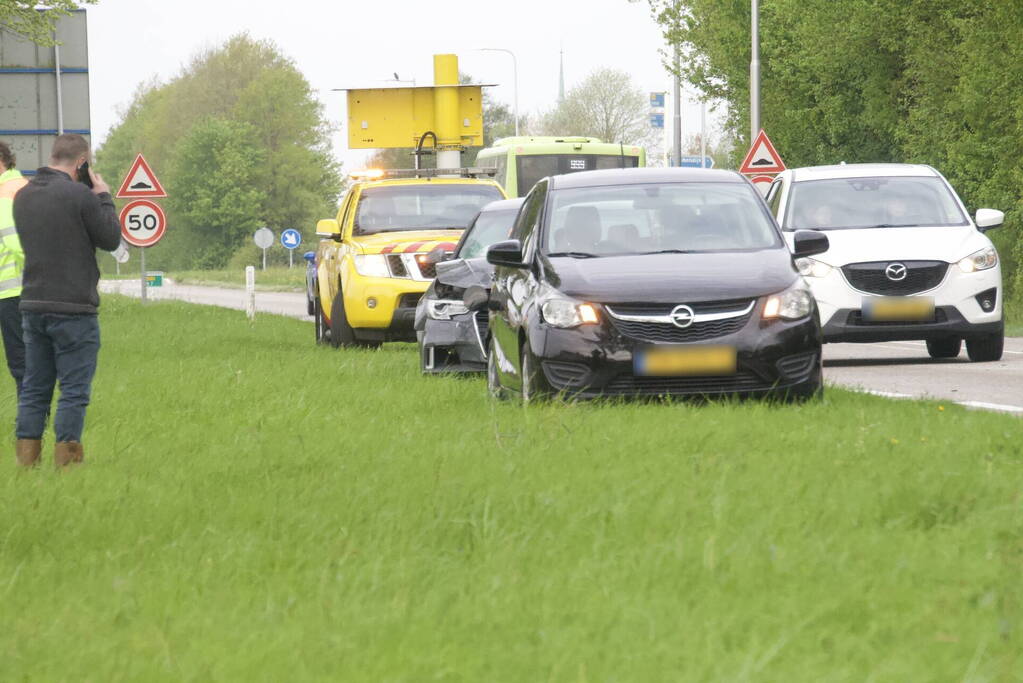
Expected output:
{"points": [[291, 238], [693, 161]]}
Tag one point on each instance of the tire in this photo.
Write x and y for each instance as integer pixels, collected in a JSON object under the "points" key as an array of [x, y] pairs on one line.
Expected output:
{"points": [[310, 306], [341, 333], [533, 386], [494, 388], [987, 348], [319, 324], [948, 347]]}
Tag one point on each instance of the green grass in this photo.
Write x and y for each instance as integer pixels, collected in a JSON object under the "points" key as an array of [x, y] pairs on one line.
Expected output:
{"points": [[257, 508]]}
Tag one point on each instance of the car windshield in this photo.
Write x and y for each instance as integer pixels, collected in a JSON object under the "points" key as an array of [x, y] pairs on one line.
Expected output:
{"points": [[892, 202], [656, 218], [421, 207], [490, 227]]}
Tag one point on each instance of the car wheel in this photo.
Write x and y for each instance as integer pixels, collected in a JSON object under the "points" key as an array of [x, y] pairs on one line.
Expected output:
{"points": [[341, 333], [532, 383], [494, 387], [319, 324], [944, 348], [987, 348], [310, 306]]}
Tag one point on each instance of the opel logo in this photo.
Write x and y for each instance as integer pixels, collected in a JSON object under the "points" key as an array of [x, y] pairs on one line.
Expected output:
{"points": [[682, 316], [896, 272]]}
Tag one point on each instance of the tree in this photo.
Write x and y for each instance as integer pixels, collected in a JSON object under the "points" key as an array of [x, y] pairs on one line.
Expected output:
{"points": [[22, 17], [607, 104]]}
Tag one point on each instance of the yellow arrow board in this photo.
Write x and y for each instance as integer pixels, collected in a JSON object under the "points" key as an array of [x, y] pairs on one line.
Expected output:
{"points": [[397, 117]]}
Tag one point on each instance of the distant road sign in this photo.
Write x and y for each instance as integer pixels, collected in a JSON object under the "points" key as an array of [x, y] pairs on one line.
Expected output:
{"points": [[762, 157], [264, 237], [140, 182], [657, 100], [142, 223], [697, 161], [657, 120], [291, 238]]}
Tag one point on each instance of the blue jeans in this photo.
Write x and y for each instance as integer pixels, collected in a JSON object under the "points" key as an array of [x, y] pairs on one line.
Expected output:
{"points": [[60, 348]]}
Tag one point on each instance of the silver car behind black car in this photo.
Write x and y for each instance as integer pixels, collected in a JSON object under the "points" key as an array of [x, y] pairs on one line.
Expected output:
{"points": [[451, 337]]}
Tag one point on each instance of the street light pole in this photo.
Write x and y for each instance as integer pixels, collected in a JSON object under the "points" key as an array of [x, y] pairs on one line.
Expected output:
{"points": [[676, 152], [515, 77], [754, 72]]}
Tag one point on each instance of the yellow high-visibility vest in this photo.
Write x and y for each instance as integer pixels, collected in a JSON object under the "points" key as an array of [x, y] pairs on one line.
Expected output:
{"points": [[12, 258]]}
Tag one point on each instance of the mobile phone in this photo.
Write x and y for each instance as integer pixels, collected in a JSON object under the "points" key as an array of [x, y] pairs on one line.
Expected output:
{"points": [[83, 174]]}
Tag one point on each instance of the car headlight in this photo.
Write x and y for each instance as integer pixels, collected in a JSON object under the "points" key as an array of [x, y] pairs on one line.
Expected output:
{"points": [[562, 312], [443, 309], [792, 304], [371, 265], [981, 260], [809, 267]]}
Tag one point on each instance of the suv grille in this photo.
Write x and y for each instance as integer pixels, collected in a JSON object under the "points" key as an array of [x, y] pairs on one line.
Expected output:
{"points": [[667, 333], [871, 277], [397, 266]]}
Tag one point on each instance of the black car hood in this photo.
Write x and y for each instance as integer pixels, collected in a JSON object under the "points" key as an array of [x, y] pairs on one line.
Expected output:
{"points": [[673, 278], [464, 273]]}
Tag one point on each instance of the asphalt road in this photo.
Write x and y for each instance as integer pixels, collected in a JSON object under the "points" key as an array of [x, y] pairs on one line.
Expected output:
{"points": [[895, 369]]}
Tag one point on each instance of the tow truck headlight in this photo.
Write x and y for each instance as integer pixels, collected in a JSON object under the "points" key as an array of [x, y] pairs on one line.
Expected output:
{"points": [[371, 265], [561, 312], [809, 267], [792, 304], [981, 260], [443, 309]]}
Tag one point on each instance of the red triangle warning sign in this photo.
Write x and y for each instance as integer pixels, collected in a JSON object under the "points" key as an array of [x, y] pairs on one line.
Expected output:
{"points": [[762, 157], [140, 182]]}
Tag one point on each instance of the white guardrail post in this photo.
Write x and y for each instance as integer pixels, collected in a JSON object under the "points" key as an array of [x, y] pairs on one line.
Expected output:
{"points": [[250, 292]]}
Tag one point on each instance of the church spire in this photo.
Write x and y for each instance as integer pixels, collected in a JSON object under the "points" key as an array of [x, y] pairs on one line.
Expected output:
{"points": [[561, 77]]}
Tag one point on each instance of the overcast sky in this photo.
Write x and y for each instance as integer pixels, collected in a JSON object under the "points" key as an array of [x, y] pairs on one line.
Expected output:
{"points": [[355, 43]]}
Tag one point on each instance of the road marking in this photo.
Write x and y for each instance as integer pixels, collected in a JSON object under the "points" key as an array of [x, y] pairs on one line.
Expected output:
{"points": [[983, 405], [991, 406]]}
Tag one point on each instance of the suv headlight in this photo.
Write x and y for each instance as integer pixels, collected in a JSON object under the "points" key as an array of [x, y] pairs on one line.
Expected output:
{"points": [[794, 303], [809, 267], [981, 260], [371, 265], [563, 312], [443, 309]]}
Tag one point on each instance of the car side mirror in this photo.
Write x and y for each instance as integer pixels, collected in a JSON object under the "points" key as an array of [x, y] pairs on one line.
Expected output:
{"points": [[476, 298], [809, 243], [328, 227], [309, 256], [507, 253], [989, 218]]}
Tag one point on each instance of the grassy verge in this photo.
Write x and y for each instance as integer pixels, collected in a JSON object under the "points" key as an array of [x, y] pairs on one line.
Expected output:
{"points": [[257, 508], [280, 279]]}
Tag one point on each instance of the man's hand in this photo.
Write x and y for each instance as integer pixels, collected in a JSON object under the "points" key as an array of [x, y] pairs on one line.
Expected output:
{"points": [[99, 186]]}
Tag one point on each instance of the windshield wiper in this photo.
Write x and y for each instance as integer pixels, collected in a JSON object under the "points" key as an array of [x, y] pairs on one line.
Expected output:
{"points": [[668, 251], [573, 254], [893, 225]]}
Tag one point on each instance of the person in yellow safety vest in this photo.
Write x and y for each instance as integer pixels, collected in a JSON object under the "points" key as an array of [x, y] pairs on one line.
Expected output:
{"points": [[12, 262]]}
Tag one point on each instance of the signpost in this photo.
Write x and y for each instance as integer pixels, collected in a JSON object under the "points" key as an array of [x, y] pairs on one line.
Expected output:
{"points": [[761, 160], [290, 239], [143, 222], [264, 237]]}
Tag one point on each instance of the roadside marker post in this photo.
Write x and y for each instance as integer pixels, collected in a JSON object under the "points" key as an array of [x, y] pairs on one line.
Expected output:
{"points": [[250, 292], [290, 239], [264, 237]]}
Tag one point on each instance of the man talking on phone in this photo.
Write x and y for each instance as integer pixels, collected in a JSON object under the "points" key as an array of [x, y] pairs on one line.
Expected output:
{"points": [[62, 216]]}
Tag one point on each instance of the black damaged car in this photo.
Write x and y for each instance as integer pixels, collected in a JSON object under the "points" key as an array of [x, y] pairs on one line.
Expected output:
{"points": [[451, 337], [656, 282]]}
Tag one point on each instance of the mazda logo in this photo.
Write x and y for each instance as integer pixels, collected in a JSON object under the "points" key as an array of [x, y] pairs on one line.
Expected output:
{"points": [[896, 272], [682, 316]]}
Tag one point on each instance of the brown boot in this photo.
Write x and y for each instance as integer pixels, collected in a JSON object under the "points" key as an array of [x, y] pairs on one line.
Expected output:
{"points": [[27, 451], [67, 453]]}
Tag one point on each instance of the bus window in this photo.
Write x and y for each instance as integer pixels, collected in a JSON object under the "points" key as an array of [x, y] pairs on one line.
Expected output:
{"points": [[532, 167]]}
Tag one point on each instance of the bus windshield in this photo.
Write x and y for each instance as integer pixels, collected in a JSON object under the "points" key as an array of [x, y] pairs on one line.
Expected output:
{"points": [[533, 167], [421, 207]]}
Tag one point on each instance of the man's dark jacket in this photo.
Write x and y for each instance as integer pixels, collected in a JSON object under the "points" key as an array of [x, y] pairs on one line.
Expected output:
{"points": [[60, 224]]}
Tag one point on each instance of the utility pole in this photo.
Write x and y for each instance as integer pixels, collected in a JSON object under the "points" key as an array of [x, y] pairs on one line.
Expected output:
{"points": [[515, 76], [754, 73], [676, 133]]}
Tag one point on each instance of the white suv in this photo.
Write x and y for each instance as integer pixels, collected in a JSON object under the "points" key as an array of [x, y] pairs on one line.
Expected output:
{"points": [[906, 261]]}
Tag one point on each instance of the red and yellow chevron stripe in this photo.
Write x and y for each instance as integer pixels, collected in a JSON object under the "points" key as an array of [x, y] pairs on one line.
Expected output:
{"points": [[417, 246]]}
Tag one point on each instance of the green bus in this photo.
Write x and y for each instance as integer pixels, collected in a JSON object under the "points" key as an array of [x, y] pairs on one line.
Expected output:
{"points": [[521, 161]]}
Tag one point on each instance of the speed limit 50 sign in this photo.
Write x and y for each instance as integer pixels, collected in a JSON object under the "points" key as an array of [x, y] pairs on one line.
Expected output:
{"points": [[143, 223]]}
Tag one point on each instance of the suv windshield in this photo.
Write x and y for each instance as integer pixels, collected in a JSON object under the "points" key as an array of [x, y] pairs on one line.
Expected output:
{"points": [[490, 227], [892, 202], [421, 207], [653, 218]]}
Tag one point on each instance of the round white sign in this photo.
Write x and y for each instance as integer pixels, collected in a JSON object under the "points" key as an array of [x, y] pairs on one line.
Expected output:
{"points": [[142, 223], [264, 238]]}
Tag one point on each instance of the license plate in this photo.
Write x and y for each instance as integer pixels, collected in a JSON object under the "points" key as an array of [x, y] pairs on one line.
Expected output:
{"points": [[696, 360], [898, 308]]}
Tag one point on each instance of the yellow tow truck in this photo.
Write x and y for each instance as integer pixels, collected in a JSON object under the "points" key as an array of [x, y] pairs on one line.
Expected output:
{"points": [[378, 256]]}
